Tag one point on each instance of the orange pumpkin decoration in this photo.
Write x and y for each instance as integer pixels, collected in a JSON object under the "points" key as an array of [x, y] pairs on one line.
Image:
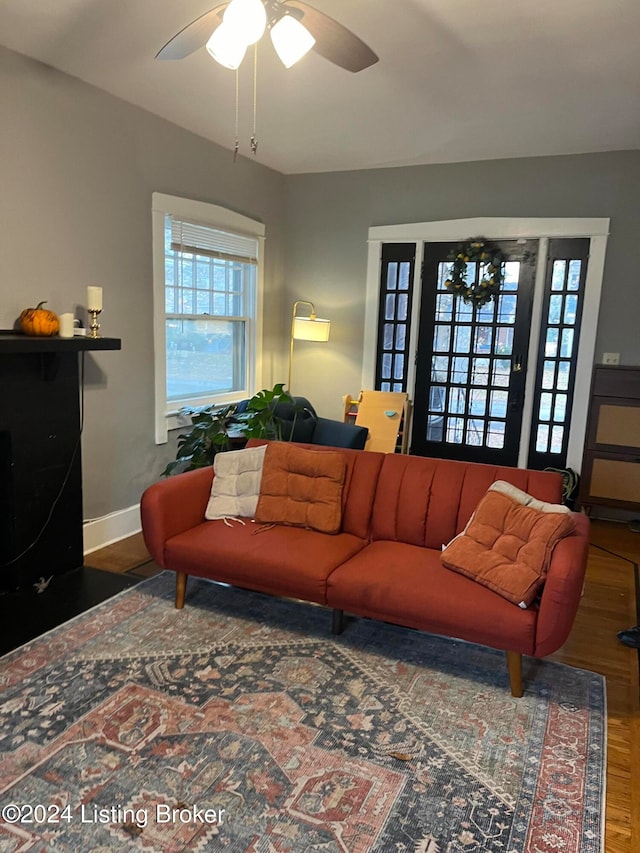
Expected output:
{"points": [[39, 321]]}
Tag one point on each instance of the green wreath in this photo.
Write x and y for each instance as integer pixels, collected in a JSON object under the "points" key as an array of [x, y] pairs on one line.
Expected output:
{"points": [[488, 284]]}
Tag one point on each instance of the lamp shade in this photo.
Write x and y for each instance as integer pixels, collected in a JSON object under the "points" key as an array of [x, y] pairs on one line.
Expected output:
{"points": [[291, 40], [226, 47], [248, 18], [307, 329]]}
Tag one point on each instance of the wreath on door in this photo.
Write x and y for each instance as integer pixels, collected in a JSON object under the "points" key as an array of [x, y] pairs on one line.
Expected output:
{"points": [[490, 277]]}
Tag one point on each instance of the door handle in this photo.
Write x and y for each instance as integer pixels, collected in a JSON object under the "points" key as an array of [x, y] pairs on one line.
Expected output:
{"points": [[518, 365]]}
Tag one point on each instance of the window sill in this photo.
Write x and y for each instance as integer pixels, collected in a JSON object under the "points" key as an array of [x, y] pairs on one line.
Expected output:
{"points": [[175, 420]]}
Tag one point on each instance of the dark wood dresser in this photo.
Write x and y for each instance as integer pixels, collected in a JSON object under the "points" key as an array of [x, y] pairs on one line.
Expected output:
{"points": [[611, 461]]}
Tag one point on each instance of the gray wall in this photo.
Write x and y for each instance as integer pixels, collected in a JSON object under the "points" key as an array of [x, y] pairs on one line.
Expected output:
{"points": [[78, 170], [328, 216]]}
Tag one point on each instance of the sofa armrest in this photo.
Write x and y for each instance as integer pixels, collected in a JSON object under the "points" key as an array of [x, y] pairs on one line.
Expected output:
{"points": [[562, 589], [172, 506]]}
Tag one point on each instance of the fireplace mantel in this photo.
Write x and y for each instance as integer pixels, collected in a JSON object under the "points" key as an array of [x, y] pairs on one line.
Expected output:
{"points": [[16, 342]]}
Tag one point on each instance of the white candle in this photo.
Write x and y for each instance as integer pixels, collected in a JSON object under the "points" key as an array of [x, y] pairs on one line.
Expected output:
{"points": [[94, 298]]}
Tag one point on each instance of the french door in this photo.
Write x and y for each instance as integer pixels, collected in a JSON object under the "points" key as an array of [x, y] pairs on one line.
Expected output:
{"points": [[472, 377], [472, 361]]}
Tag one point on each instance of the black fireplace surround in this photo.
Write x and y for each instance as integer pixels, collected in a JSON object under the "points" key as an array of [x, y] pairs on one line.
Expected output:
{"points": [[40, 456]]}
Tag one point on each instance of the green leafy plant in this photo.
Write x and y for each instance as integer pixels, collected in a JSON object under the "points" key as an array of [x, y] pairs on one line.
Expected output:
{"points": [[209, 433], [260, 419], [215, 427]]}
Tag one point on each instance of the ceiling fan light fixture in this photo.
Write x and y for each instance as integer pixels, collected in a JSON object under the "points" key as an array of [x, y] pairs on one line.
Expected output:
{"points": [[291, 40], [226, 47], [248, 18]]}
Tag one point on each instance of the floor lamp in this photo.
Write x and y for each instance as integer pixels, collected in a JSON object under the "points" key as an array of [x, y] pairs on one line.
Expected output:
{"points": [[309, 328]]}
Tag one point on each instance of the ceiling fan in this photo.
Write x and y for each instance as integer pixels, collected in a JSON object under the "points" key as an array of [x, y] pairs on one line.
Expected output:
{"points": [[295, 28]]}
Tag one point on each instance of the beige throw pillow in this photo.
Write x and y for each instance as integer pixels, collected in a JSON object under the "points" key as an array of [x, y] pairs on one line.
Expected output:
{"points": [[236, 484], [526, 499]]}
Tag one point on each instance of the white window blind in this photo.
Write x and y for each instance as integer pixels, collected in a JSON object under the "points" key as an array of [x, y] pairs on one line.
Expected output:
{"points": [[198, 239]]}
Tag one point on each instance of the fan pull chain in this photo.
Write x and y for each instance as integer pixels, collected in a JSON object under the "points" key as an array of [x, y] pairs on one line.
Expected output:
{"points": [[254, 140], [237, 142]]}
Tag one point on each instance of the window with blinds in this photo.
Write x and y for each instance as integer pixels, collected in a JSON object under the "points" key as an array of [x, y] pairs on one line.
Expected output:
{"points": [[207, 319], [210, 279]]}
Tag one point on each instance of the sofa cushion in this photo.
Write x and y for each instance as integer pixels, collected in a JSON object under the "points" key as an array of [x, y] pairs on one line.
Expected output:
{"points": [[236, 484], [507, 546], [520, 497], [408, 585], [281, 560], [359, 488], [302, 488]]}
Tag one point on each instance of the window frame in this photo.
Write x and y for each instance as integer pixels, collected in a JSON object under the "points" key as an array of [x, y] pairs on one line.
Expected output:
{"points": [[167, 416]]}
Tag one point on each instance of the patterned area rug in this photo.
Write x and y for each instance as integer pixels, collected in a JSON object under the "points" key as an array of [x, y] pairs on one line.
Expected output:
{"points": [[240, 724]]}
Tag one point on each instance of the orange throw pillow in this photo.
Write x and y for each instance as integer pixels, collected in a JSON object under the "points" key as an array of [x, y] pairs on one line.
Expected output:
{"points": [[302, 488], [507, 546]]}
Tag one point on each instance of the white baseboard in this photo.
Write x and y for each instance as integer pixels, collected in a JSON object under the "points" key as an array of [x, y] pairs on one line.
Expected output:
{"points": [[111, 528]]}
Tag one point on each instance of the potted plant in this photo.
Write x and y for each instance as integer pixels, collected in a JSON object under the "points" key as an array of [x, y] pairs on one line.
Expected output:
{"points": [[260, 419], [215, 427]]}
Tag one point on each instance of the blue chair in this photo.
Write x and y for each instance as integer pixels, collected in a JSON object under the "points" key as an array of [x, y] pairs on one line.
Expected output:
{"points": [[301, 423]]}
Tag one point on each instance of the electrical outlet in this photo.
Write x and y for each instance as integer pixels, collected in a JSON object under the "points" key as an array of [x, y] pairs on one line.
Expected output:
{"points": [[611, 358]]}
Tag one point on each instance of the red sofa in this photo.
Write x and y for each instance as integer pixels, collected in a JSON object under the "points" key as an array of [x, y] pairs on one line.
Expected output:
{"points": [[385, 563]]}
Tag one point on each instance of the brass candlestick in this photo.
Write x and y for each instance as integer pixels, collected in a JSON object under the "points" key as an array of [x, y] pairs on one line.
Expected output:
{"points": [[94, 322]]}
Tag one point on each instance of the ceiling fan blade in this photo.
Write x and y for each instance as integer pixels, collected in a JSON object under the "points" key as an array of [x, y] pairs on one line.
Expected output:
{"points": [[333, 41], [194, 36]]}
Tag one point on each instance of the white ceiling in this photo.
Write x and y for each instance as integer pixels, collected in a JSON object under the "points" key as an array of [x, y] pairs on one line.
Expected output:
{"points": [[457, 80]]}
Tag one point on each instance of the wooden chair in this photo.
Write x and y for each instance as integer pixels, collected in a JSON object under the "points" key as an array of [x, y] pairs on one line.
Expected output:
{"points": [[385, 414]]}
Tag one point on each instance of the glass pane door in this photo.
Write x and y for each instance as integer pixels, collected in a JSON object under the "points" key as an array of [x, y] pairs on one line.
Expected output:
{"points": [[471, 363]]}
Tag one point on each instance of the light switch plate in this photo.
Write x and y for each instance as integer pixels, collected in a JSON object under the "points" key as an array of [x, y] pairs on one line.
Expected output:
{"points": [[611, 358]]}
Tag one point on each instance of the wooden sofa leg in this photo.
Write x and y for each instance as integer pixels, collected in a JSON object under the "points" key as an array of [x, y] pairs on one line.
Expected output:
{"points": [[337, 625], [514, 665], [181, 589]]}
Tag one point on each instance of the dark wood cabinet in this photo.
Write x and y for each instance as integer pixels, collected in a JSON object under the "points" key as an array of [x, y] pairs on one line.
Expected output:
{"points": [[40, 458], [611, 462]]}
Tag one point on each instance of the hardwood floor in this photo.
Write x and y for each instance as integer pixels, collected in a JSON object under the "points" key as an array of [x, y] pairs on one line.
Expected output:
{"points": [[128, 556], [609, 604]]}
